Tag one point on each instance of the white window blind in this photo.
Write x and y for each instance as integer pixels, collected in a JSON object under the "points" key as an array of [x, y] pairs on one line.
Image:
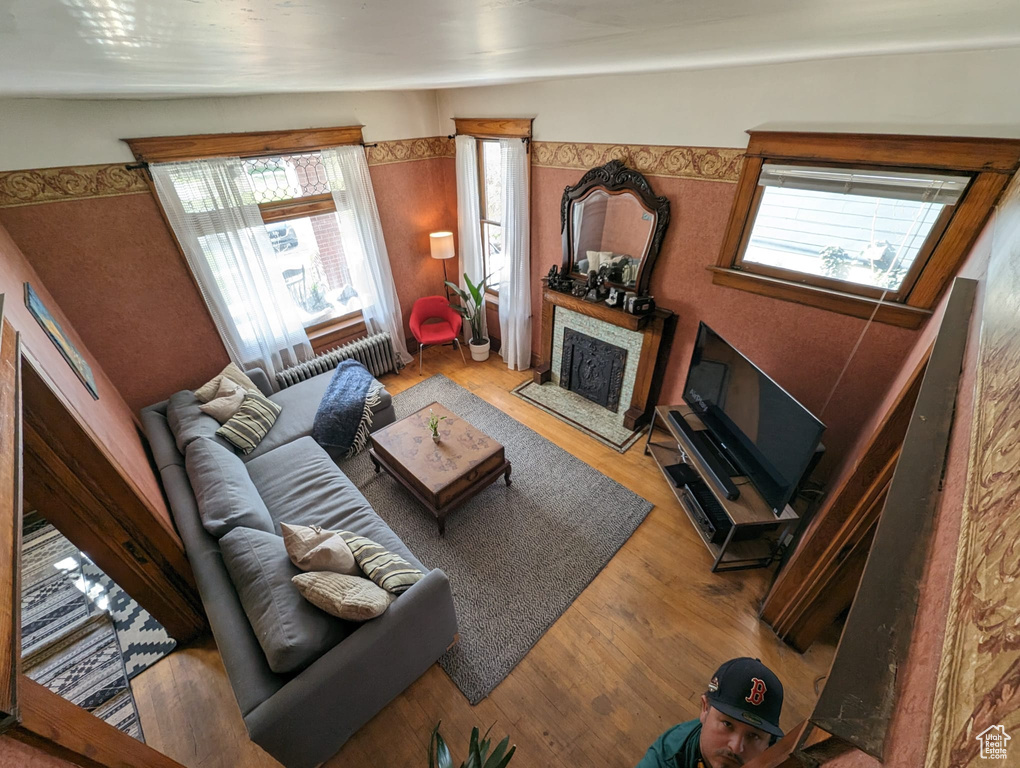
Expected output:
{"points": [[897, 185]]}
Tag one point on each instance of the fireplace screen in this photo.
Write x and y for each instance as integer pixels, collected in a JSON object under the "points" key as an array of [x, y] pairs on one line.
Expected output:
{"points": [[592, 368]]}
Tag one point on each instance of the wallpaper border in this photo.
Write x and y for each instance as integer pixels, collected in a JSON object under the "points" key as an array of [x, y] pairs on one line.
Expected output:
{"points": [[84, 182], [702, 163], [78, 182]]}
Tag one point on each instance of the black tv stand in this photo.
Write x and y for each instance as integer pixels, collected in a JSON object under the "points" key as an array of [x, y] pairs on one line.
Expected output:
{"points": [[709, 453]]}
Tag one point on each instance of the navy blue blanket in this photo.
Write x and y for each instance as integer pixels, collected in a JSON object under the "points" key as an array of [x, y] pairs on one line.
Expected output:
{"points": [[345, 411]]}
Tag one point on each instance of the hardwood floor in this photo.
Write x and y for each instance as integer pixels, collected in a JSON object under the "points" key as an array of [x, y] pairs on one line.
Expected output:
{"points": [[629, 658]]}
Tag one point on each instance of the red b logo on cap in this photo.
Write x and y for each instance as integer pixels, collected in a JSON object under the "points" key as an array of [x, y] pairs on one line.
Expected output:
{"points": [[757, 692]]}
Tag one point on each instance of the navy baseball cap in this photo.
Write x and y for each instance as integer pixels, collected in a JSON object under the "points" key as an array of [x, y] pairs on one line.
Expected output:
{"points": [[747, 690]]}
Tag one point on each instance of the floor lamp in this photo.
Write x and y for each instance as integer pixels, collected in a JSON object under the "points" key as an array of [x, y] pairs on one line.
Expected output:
{"points": [[441, 244]]}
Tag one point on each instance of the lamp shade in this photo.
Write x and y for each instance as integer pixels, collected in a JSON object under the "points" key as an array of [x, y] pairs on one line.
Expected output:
{"points": [[441, 244]]}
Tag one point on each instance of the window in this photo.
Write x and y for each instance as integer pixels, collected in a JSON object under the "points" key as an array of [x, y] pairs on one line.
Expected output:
{"points": [[490, 198], [313, 252], [317, 252], [488, 132], [864, 225], [848, 228]]}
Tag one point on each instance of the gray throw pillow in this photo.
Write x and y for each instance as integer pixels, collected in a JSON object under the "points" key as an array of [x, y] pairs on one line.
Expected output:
{"points": [[226, 496], [292, 632]]}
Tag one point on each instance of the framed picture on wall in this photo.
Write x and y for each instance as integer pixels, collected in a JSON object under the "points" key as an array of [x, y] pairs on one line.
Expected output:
{"points": [[56, 333]]}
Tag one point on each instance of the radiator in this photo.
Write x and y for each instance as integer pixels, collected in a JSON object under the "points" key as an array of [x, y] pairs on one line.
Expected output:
{"points": [[375, 352]]}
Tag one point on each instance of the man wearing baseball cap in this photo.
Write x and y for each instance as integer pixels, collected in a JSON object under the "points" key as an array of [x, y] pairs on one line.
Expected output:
{"points": [[739, 720]]}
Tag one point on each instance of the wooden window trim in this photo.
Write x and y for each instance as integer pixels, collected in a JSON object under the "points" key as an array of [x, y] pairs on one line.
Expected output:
{"points": [[162, 149], [494, 127], [332, 333], [992, 162], [851, 304], [313, 205]]}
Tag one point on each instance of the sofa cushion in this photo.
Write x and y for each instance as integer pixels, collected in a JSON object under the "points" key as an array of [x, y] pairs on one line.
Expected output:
{"points": [[292, 632], [300, 402], [302, 486], [252, 422], [352, 598], [208, 391], [226, 496], [188, 423]]}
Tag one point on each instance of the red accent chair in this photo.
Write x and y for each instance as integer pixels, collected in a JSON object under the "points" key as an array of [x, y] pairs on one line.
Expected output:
{"points": [[444, 327]]}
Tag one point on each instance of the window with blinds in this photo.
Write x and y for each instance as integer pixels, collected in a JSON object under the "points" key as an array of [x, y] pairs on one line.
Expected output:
{"points": [[853, 229]]}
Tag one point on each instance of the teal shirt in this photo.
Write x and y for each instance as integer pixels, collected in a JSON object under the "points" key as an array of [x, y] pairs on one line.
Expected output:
{"points": [[679, 747]]}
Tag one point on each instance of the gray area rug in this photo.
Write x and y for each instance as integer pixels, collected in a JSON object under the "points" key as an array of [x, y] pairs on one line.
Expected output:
{"points": [[516, 557]]}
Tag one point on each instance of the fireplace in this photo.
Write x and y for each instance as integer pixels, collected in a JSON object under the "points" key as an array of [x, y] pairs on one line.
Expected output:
{"points": [[592, 368]]}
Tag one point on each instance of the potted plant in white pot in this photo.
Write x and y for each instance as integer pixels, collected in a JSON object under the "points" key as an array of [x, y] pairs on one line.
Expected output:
{"points": [[472, 309]]}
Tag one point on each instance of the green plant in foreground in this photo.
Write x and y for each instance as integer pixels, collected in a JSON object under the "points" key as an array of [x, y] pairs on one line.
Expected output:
{"points": [[471, 307], [478, 751]]}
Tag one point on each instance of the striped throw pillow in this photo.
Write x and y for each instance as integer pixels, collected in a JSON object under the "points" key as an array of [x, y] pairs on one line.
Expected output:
{"points": [[252, 422], [391, 572]]}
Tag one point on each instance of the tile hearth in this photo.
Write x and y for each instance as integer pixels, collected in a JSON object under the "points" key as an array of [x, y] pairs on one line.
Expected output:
{"points": [[578, 411]]}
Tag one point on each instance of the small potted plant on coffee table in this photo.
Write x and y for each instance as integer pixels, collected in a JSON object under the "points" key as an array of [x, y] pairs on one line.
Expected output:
{"points": [[434, 425], [472, 309]]}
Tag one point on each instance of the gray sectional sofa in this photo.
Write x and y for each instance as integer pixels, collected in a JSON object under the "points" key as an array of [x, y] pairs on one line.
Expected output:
{"points": [[345, 673]]}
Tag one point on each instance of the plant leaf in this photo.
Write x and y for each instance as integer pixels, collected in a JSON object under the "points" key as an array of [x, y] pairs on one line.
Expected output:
{"points": [[458, 290], [445, 760], [497, 754], [506, 759], [475, 293]]}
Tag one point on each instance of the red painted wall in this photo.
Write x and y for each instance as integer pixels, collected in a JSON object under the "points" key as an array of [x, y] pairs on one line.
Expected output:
{"points": [[112, 265], [802, 348], [114, 269], [414, 199], [109, 418]]}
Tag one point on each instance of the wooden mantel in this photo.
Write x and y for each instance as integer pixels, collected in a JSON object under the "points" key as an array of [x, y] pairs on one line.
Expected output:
{"points": [[656, 327]]}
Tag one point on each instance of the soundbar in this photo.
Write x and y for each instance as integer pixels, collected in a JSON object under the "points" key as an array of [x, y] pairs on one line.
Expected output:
{"points": [[708, 453]]}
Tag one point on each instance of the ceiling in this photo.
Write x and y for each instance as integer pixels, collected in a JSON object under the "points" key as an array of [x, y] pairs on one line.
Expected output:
{"points": [[162, 48]]}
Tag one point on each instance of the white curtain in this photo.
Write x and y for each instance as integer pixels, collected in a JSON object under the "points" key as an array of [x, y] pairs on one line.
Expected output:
{"points": [[515, 287], [364, 245], [469, 223], [211, 208]]}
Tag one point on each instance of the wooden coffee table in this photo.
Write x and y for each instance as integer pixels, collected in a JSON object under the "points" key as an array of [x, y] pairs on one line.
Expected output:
{"points": [[442, 475]]}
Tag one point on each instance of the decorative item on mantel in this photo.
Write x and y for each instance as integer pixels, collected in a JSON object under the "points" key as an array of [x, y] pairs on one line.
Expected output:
{"points": [[434, 425]]}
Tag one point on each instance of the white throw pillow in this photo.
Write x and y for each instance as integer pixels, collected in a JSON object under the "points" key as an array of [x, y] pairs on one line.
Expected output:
{"points": [[207, 391], [313, 549], [227, 401], [346, 597]]}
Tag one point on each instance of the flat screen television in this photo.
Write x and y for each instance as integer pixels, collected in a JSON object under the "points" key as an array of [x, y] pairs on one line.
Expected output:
{"points": [[756, 426]]}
